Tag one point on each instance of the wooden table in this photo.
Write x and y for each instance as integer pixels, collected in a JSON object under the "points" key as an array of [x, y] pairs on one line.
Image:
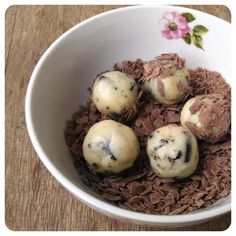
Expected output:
{"points": [[34, 199]]}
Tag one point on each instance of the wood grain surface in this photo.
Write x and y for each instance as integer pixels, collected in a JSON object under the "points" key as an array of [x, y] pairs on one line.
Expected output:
{"points": [[34, 200]]}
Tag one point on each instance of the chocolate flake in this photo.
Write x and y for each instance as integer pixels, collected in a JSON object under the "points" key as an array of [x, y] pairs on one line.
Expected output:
{"points": [[188, 151], [179, 154], [95, 165], [150, 136], [161, 143], [113, 158], [131, 87]]}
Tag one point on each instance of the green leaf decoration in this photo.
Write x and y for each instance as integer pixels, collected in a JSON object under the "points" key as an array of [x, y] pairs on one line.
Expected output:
{"points": [[187, 38], [197, 41], [188, 16], [200, 30]]}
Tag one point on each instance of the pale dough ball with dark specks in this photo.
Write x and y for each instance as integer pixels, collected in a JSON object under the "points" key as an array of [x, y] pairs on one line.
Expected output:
{"points": [[173, 152], [114, 92], [110, 146]]}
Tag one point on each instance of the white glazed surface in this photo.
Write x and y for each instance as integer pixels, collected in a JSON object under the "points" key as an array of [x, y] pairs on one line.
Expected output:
{"points": [[58, 86]]}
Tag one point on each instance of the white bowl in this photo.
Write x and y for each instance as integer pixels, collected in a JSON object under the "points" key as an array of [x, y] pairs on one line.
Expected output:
{"points": [[58, 86]]}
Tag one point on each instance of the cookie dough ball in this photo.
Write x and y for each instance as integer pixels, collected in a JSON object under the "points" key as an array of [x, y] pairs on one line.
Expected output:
{"points": [[114, 92], [170, 89], [110, 146], [166, 78], [207, 116], [173, 152]]}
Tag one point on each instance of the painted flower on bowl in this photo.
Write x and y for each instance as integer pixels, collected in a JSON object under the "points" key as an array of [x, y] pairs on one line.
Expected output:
{"points": [[174, 25]]}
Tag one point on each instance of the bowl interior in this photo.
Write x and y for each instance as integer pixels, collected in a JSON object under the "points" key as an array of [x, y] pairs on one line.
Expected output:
{"points": [[59, 83]]}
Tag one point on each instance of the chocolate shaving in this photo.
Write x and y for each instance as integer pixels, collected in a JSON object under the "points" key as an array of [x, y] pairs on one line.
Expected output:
{"points": [[160, 67], [133, 68], [138, 188]]}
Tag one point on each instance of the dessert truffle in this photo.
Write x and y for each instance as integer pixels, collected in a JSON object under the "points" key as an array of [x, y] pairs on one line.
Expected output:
{"points": [[207, 116], [114, 92], [166, 78], [173, 152], [110, 146]]}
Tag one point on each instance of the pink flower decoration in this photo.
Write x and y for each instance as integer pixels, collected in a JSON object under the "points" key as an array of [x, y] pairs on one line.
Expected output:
{"points": [[174, 26]]}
